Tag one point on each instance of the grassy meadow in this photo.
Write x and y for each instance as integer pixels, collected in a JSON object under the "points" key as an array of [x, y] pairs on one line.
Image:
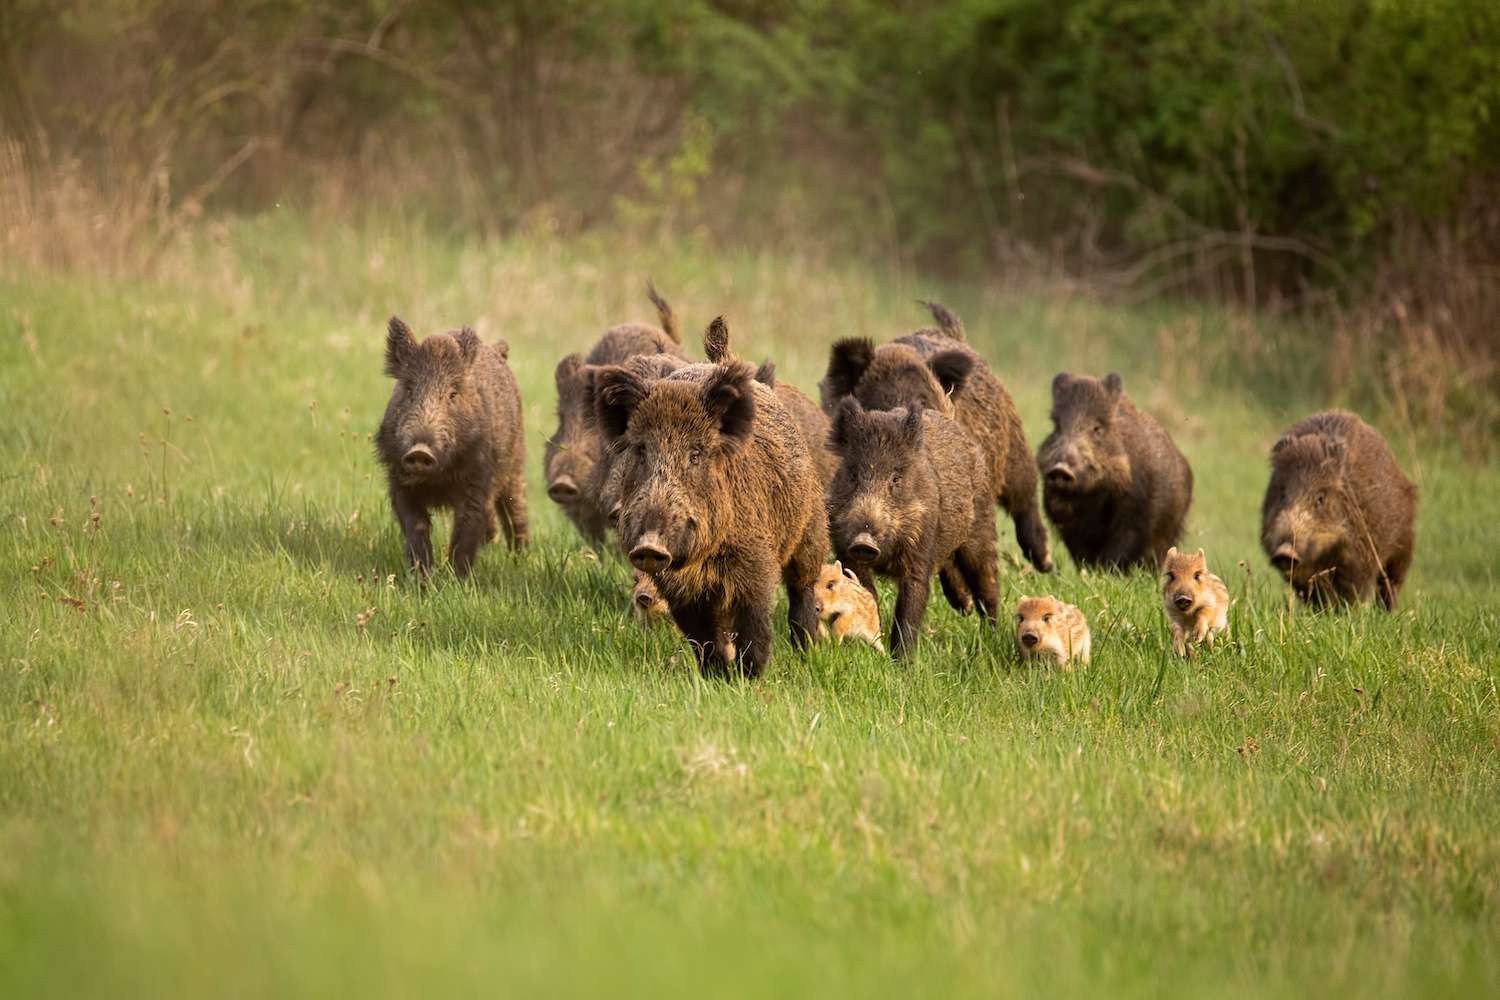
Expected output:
{"points": [[242, 753]]}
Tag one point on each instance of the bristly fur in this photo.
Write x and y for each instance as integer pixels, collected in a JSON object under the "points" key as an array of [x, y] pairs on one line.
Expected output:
{"points": [[1131, 487], [575, 456], [936, 368], [716, 341], [1341, 507], [719, 499], [455, 400], [914, 482]]}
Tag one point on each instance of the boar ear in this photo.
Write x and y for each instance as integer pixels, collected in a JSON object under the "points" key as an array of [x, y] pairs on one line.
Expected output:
{"points": [[502, 348], [399, 346], [566, 370], [844, 418], [1171, 554], [729, 395], [766, 374], [716, 342], [911, 423], [838, 566], [847, 362], [1114, 384], [1060, 383], [951, 368], [617, 392], [469, 344], [1201, 555]]}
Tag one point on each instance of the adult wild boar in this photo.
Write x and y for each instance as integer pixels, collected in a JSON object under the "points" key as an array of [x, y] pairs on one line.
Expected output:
{"points": [[1113, 483], [719, 501], [911, 495], [452, 437], [937, 369], [576, 447], [1339, 517]]}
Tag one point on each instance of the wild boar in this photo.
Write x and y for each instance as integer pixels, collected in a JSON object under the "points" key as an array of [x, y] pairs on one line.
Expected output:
{"points": [[452, 437], [1196, 601], [1114, 485], [719, 500], [1339, 516], [911, 494], [576, 447], [936, 368], [1047, 628]]}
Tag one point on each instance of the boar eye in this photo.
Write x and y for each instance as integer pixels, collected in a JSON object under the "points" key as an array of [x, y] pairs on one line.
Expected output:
{"points": [[896, 479], [1171, 577], [453, 392], [694, 456], [1319, 500], [1046, 618], [1020, 619], [1098, 430], [640, 450], [1197, 576]]}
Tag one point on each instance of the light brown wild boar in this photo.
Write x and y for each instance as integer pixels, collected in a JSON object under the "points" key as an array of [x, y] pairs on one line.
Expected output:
{"points": [[576, 448], [911, 495], [1196, 601], [1339, 516], [1047, 628], [846, 610], [936, 367], [645, 603], [1114, 485], [719, 501], [452, 437]]}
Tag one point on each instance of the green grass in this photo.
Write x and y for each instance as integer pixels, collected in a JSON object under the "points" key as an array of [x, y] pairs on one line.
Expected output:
{"points": [[240, 753]]}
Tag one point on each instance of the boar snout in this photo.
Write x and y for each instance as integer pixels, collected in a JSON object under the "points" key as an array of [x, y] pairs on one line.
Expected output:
{"points": [[563, 489], [419, 458], [643, 599], [650, 554], [1183, 601], [1284, 558], [864, 547], [1060, 474], [1030, 639]]}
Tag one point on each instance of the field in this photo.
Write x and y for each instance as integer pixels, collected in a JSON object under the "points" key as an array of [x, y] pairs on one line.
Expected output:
{"points": [[242, 753]]}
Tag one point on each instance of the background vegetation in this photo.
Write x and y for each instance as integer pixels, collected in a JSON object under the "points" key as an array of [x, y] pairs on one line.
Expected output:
{"points": [[240, 752]]}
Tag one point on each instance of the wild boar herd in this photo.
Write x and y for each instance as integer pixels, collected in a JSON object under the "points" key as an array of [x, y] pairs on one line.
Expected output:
{"points": [[721, 482]]}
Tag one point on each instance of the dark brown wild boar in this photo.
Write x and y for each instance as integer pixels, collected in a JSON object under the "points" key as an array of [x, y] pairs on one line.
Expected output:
{"points": [[576, 447], [1339, 517], [1113, 483], [912, 494], [452, 437], [719, 502], [936, 368]]}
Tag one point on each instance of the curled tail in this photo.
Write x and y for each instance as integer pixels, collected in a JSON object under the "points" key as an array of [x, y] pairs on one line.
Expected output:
{"points": [[949, 325], [664, 312], [716, 342]]}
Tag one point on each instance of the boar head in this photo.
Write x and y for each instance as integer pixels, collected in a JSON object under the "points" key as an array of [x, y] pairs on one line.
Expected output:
{"points": [[435, 413], [1306, 515], [1085, 450], [892, 376], [678, 436], [881, 492]]}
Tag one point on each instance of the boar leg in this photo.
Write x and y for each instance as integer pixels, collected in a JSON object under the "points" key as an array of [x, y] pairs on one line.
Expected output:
{"points": [[1123, 549], [1393, 576], [955, 590], [753, 625], [911, 606], [1031, 535], [473, 525], [510, 506], [698, 623], [800, 576], [416, 529], [975, 559]]}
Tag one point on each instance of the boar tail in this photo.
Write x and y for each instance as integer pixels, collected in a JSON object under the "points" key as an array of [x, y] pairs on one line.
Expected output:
{"points": [[664, 312], [716, 342], [949, 325]]}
